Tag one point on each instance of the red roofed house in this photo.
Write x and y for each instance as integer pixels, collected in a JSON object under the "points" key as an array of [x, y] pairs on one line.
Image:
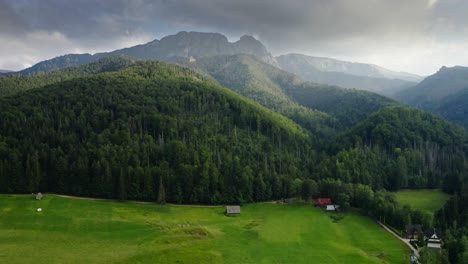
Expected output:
{"points": [[323, 202]]}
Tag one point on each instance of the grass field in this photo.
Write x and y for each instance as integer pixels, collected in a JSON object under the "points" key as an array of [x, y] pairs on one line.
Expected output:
{"points": [[427, 200], [82, 231]]}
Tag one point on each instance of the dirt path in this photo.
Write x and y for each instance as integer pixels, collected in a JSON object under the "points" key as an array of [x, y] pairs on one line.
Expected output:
{"points": [[406, 241]]}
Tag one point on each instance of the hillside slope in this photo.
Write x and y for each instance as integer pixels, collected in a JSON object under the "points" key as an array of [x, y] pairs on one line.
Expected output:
{"points": [[12, 84], [286, 93], [151, 131], [400, 147], [443, 94]]}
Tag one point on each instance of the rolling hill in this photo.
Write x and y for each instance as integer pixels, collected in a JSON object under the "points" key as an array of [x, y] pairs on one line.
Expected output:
{"points": [[12, 84], [400, 147]]}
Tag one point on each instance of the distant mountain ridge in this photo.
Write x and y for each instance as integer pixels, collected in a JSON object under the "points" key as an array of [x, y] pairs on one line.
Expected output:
{"points": [[447, 81], [353, 68], [443, 93], [190, 45], [347, 74], [4, 71]]}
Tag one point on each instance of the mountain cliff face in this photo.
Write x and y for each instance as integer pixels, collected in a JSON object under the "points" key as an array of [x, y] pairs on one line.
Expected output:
{"points": [[190, 45], [442, 93], [347, 74]]}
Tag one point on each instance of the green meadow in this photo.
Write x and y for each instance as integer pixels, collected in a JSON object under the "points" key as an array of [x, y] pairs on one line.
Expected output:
{"points": [[426, 200], [90, 231]]}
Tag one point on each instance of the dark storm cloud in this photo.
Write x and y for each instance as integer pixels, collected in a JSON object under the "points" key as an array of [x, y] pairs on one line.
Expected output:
{"points": [[305, 23], [449, 20], [342, 28], [273, 20], [10, 21], [80, 20]]}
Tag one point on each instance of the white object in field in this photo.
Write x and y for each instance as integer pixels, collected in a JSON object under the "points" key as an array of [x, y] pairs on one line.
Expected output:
{"points": [[39, 209]]}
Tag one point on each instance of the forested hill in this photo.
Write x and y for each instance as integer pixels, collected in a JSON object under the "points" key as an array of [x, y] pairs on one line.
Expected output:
{"points": [[287, 94], [12, 84], [401, 126], [348, 106], [400, 147], [267, 85], [152, 131], [122, 128], [445, 94]]}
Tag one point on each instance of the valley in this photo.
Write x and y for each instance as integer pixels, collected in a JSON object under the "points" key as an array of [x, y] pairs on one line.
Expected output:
{"points": [[197, 119]]}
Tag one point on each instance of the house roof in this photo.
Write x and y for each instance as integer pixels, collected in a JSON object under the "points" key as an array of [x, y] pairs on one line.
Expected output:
{"points": [[233, 209], [323, 201], [433, 233], [413, 229]]}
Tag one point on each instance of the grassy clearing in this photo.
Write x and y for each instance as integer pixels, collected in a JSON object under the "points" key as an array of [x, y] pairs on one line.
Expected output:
{"points": [[82, 231], [427, 200]]}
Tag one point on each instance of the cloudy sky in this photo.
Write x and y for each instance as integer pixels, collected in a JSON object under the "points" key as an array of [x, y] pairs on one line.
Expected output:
{"points": [[417, 36]]}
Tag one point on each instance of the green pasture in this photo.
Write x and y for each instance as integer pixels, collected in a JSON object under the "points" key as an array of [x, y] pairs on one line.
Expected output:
{"points": [[83, 231], [426, 200]]}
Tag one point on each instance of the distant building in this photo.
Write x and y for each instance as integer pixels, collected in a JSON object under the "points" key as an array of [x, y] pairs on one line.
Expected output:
{"points": [[412, 231], [434, 239], [233, 210], [39, 196], [322, 202], [332, 208]]}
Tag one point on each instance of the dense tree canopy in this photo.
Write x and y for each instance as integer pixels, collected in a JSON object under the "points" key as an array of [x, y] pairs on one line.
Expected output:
{"points": [[148, 130]]}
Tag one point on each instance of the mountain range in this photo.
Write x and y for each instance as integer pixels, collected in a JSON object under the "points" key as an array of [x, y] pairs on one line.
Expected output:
{"points": [[194, 45], [251, 75], [189, 45]]}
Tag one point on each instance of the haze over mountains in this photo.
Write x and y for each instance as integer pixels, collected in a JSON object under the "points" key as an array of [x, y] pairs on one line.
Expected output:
{"points": [[347, 74]]}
